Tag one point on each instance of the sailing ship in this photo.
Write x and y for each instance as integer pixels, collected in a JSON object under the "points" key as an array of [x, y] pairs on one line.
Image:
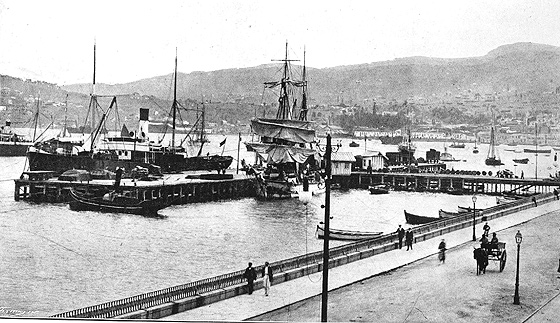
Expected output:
{"points": [[407, 147], [492, 158], [285, 142], [130, 150], [475, 149]]}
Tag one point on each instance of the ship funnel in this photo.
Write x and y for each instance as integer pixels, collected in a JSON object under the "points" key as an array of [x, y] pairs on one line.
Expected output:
{"points": [[143, 124]]}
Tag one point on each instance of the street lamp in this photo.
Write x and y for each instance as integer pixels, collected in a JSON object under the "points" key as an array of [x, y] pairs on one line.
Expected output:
{"points": [[518, 239], [473, 218], [328, 178]]}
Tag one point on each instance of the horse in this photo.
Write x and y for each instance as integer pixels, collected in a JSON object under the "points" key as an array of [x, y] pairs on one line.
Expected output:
{"points": [[481, 256]]}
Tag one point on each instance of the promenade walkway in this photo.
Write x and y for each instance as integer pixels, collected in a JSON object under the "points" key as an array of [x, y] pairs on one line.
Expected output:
{"points": [[245, 306]]}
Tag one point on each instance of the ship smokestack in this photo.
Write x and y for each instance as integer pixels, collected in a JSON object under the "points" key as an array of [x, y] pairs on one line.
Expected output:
{"points": [[143, 124]]}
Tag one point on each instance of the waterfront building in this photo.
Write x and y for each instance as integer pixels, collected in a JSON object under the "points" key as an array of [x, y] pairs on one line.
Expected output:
{"points": [[375, 159], [342, 163]]}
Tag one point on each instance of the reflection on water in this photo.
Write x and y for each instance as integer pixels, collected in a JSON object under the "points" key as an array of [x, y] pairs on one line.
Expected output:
{"points": [[55, 259]]}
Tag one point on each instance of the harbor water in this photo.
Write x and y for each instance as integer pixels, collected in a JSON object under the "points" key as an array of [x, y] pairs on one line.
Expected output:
{"points": [[53, 259]]}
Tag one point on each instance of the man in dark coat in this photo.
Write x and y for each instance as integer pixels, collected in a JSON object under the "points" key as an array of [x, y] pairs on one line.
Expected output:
{"points": [[250, 274], [400, 234], [408, 239]]}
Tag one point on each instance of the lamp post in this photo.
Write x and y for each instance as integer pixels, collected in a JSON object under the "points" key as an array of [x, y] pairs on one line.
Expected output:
{"points": [[325, 292], [518, 239], [474, 218], [328, 169]]}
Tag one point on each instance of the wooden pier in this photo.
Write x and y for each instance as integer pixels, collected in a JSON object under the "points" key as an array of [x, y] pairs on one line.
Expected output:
{"points": [[456, 183], [177, 188]]}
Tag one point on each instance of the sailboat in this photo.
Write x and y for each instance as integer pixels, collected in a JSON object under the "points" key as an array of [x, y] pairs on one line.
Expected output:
{"points": [[285, 142], [475, 149], [492, 158], [407, 147]]}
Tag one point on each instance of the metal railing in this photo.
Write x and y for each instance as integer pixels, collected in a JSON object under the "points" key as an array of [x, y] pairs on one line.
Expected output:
{"points": [[162, 296]]}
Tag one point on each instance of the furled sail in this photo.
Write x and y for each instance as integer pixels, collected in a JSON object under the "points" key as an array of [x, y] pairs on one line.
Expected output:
{"points": [[275, 154], [290, 130]]}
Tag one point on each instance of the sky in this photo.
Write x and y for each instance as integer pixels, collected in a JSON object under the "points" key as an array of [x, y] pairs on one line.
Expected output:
{"points": [[52, 40]]}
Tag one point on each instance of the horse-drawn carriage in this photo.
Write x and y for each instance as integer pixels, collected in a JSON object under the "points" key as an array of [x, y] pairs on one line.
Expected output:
{"points": [[487, 252]]}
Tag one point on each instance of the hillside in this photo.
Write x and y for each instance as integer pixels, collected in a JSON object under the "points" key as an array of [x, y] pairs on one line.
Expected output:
{"points": [[236, 95], [520, 67]]}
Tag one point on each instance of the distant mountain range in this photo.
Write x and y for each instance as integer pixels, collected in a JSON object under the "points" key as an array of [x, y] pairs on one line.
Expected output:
{"points": [[518, 68]]}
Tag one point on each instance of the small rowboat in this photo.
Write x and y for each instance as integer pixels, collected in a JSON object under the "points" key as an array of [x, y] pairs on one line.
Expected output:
{"points": [[417, 219], [463, 209], [336, 234], [445, 214], [506, 199], [379, 189], [115, 203]]}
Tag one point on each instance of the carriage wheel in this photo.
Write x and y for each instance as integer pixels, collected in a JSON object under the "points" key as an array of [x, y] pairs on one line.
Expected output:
{"points": [[503, 259]]}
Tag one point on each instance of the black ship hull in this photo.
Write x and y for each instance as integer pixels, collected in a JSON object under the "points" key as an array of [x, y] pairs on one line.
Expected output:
{"points": [[391, 140], [117, 204], [8, 149], [167, 163]]}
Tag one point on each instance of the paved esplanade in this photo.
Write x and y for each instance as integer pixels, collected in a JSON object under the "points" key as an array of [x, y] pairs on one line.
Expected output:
{"points": [[247, 306]]}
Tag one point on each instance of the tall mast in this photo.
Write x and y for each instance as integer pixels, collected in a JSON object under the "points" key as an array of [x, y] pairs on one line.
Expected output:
{"points": [[174, 106], [303, 111], [201, 128], [93, 101], [65, 116], [284, 108], [536, 147], [94, 53], [36, 118]]}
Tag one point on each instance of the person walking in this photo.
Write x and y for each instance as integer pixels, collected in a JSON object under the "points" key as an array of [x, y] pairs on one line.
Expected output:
{"points": [[408, 239], [250, 274], [556, 194], [400, 234], [534, 199], [267, 277], [522, 175], [486, 229], [442, 249]]}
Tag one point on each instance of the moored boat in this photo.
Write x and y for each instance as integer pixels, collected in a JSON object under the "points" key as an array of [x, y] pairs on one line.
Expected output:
{"points": [[115, 202], [286, 143], [447, 214], [521, 160], [391, 140], [128, 150], [464, 209], [337, 234], [492, 158], [379, 189], [354, 144], [12, 144], [537, 150], [417, 219], [506, 199], [457, 145]]}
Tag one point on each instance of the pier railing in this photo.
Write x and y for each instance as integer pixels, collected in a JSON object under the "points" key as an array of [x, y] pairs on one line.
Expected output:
{"points": [[311, 263]]}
